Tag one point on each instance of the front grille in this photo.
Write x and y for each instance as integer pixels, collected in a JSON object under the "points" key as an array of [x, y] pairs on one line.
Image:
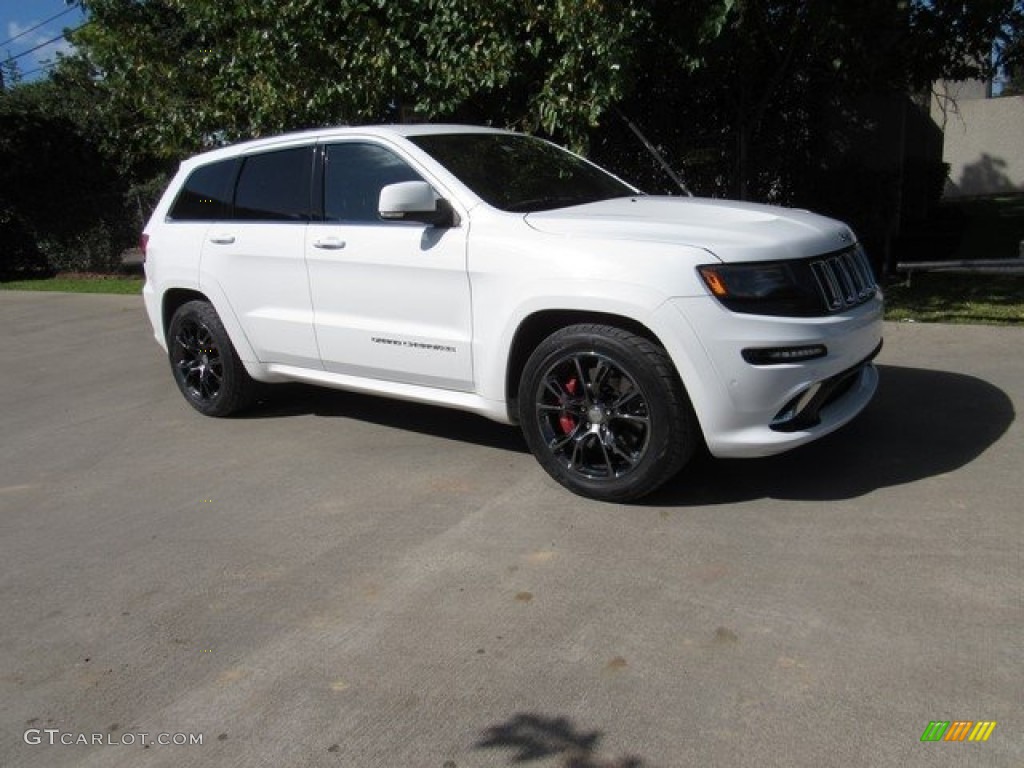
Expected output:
{"points": [[844, 279]]}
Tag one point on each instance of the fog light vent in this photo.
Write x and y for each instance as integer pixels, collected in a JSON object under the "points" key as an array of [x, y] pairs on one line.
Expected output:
{"points": [[796, 411], [780, 355]]}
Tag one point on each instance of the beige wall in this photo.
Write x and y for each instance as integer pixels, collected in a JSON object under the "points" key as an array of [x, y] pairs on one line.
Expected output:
{"points": [[984, 139]]}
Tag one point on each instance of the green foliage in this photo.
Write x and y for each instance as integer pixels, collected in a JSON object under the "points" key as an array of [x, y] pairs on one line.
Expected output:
{"points": [[61, 199], [20, 256], [200, 72]]}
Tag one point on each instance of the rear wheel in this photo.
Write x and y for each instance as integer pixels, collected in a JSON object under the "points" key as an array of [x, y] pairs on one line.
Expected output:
{"points": [[604, 412], [206, 367]]}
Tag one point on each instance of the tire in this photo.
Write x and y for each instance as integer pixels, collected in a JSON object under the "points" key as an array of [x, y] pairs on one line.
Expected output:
{"points": [[204, 362], [605, 413]]}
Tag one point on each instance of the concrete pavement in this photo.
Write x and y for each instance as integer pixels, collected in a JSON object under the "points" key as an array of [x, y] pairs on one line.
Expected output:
{"points": [[336, 580]]}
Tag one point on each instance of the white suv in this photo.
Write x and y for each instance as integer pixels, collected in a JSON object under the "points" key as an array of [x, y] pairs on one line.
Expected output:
{"points": [[497, 273]]}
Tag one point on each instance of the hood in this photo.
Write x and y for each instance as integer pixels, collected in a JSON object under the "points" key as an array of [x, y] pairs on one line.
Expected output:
{"points": [[730, 230]]}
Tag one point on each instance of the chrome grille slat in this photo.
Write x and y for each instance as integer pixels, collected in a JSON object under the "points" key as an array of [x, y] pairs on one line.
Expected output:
{"points": [[855, 276], [844, 279]]}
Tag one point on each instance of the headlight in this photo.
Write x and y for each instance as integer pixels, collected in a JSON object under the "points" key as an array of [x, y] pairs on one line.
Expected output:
{"points": [[770, 288]]}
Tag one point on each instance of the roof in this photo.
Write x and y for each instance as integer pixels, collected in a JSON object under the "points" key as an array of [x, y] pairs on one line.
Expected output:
{"points": [[402, 130]]}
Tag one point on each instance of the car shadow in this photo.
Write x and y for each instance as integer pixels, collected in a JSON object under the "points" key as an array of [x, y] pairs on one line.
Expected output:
{"points": [[922, 423], [289, 400]]}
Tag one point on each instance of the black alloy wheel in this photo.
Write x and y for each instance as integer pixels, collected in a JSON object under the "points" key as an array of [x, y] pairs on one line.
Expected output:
{"points": [[604, 412], [204, 362]]}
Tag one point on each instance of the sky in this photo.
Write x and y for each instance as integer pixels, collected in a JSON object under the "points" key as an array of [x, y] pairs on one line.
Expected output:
{"points": [[17, 16]]}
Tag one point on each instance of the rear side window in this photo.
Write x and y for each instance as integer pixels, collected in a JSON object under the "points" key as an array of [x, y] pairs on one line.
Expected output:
{"points": [[275, 186], [206, 195], [355, 173]]}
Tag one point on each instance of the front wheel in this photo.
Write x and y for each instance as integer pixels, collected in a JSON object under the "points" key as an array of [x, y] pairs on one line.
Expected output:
{"points": [[206, 367], [604, 412]]}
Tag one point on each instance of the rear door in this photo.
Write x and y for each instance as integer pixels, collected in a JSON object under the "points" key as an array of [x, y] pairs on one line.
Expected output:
{"points": [[256, 258]]}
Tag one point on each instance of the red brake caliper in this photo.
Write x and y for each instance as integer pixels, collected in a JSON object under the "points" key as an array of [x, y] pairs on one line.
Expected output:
{"points": [[565, 421]]}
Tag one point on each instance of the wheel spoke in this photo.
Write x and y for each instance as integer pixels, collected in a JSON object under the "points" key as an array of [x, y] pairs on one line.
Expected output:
{"points": [[557, 445], [552, 385], [623, 399], [600, 374], [587, 399], [617, 450], [577, 449], [607, 458], [186, 342], [632, 418]]}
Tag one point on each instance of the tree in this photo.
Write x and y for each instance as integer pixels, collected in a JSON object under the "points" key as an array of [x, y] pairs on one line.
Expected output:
{"points": [[10, 73], [780, 74], [199, 72], [812, 104], [62, 195], [1011, 61]]}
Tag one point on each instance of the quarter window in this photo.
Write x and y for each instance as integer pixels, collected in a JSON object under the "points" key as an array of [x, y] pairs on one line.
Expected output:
{"points": [[274, 186], [206, 195], [355, 173]]}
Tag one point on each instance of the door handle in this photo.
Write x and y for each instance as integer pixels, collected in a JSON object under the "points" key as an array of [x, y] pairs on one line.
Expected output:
{"points": [[329, 243], [222, 239]]}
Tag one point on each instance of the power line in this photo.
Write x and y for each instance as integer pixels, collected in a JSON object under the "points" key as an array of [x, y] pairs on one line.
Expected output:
{"points": [[40, 24], [48, 42], [48, 67], [45, 67]]}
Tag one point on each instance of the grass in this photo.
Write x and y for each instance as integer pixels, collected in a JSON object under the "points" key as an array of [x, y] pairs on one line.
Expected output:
{"points": [[79, 283], [978, 228], [935, 297]]}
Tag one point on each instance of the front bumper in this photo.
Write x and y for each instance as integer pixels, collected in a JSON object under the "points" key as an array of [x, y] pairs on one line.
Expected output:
{"points": [[748, 410]]}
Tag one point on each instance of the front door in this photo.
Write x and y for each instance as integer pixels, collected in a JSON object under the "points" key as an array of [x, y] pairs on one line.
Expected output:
{"points": [[391, 300]]}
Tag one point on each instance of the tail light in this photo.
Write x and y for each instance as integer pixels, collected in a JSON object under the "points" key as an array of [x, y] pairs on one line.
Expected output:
{"points": [[143, 242]]}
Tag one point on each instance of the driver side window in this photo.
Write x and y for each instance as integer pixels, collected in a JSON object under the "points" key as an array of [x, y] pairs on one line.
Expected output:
{"points": [[354, 174]]}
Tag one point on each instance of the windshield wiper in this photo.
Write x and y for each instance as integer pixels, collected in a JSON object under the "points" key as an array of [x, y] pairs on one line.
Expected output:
{"points": [[546, 203], [657, 155]]}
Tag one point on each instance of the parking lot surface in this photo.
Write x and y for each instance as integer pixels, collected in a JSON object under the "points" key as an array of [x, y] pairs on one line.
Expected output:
{"points": [[338, 580]]}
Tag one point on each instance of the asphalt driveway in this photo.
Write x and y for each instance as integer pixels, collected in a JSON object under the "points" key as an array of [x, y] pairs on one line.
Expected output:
{"points": [[336, 580]]}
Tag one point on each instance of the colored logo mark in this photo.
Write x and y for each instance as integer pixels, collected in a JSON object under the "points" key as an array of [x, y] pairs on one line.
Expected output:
{"points": [[958, 730]]}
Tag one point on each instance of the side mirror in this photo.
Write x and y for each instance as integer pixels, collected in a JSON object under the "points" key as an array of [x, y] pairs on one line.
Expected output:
{"points": [[415, 201]]}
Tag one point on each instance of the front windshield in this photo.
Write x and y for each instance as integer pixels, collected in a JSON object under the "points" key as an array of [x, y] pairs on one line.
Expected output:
{"points": [[520, 173]]}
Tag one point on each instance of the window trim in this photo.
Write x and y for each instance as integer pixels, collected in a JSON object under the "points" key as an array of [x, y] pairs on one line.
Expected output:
{"points": [[318, 183]]}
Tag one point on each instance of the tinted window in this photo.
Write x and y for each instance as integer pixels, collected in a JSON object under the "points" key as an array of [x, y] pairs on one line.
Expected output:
{"points": [[207, 193], [520, 173], [274, 186], [355, 175]]}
